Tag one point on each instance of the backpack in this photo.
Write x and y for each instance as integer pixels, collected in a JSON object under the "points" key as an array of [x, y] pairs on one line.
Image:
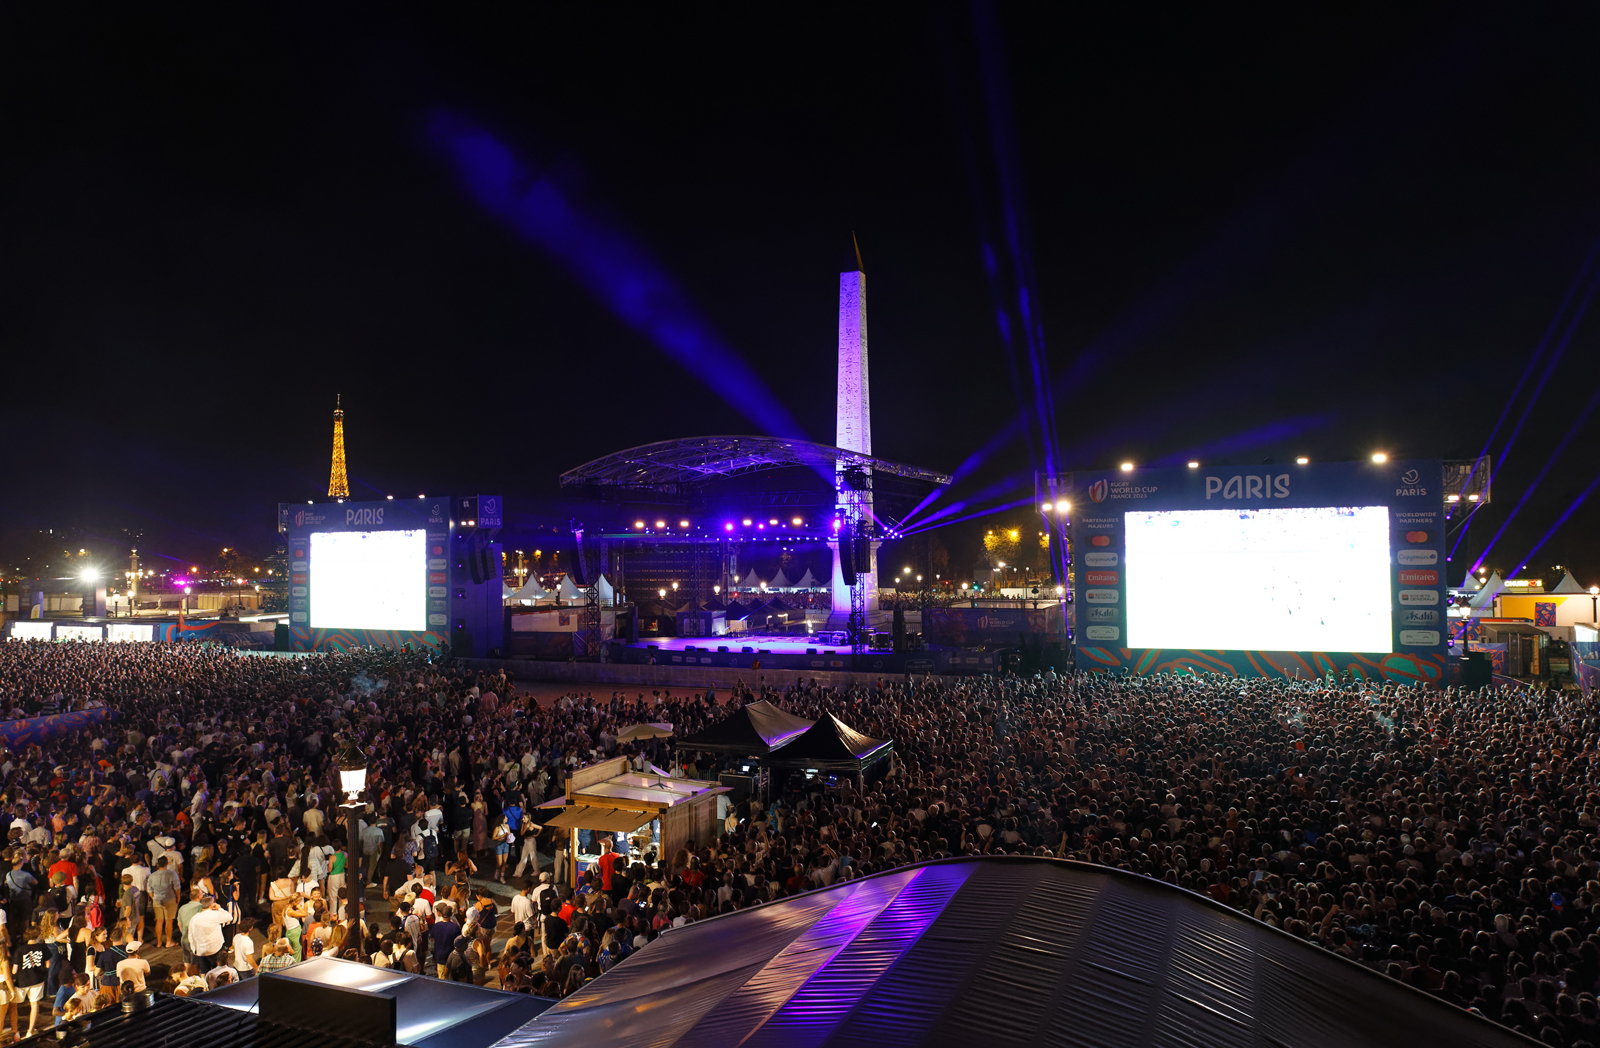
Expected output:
{"points": [[93, 914], [430, 846]]}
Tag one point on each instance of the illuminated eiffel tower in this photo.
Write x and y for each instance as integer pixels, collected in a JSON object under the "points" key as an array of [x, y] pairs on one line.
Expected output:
{"points": [[338, 483]]}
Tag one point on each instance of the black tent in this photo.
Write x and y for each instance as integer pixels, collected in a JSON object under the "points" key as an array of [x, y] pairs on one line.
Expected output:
{"points": [[755, 730], [832, 745], [998, 952]]}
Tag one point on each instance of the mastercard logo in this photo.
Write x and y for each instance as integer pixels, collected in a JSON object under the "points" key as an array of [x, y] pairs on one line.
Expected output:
{"points": [[1417, 536], [1100, 540]]}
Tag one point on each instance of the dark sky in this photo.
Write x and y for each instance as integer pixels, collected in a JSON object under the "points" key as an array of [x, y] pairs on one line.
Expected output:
{"points": [[1248, 232]]}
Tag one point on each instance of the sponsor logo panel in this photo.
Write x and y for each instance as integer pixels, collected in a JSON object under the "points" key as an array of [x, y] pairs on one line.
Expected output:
{"points": [[1417, 556], [1103, 614], [437, 579], [1100, 560], [1101, 578], [436, 620], [299, 565], [297, 616], [1417, 537], [1418, 617], [1100, 540], [299, 591], [1419, 638], [1102, 632], [1419, 578], [1419, 596], [1101, 596], [436, 565]]}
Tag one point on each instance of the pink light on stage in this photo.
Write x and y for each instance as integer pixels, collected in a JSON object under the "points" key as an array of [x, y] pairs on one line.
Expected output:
{"points": [[728, 526]]}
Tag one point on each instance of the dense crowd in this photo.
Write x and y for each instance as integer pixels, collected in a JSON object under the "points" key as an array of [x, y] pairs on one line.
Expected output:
{"points": [[1444, 838]]}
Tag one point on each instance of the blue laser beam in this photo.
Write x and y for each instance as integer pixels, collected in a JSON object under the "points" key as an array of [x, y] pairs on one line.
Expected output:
{"points": [[1572, 432], [612, 267]]}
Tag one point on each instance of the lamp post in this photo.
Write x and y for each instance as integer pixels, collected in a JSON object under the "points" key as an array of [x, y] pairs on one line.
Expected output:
{"points": [[1594, 600], [353, 780]]}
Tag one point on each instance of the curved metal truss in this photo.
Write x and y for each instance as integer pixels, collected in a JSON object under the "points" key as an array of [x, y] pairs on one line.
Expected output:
{"points": [[679, 466]]}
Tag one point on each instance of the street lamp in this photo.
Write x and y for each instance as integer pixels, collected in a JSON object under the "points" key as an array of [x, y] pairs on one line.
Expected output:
{"points": [[1594, 599], [353, 780]]}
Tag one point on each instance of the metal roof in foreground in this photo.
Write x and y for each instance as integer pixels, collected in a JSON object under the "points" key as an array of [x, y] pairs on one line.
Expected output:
{"points": [[674, 466], [997, 952]]}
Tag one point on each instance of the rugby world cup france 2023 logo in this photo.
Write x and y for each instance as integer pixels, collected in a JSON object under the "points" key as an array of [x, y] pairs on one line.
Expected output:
{"points": [[1098, 491]]}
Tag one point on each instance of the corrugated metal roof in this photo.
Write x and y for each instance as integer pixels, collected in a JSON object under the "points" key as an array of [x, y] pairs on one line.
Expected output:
{"points": [[997, 952], [182, 1022]]}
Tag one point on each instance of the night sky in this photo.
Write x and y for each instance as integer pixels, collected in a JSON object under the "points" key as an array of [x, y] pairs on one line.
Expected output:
{"points": [[1246, 233]]}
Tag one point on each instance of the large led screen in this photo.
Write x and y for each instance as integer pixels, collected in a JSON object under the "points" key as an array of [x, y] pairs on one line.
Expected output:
{"points": [[1313, 579], [369, 580]]}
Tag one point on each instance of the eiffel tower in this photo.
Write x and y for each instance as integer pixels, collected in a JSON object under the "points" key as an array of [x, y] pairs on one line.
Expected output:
{"points": [[338, 483]]}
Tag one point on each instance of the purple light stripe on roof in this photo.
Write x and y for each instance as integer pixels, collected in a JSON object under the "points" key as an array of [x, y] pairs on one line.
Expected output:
{"points": [[812, 1014], [743, 1012]]}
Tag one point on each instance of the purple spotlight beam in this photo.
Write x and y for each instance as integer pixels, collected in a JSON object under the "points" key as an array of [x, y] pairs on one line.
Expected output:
{"points": [[606, 262], [1572, 431]]}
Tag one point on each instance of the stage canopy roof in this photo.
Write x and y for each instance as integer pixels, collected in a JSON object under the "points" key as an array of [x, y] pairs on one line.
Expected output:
{"points": [[997, 952], [674, 466], [752, 731], [832, 745]]}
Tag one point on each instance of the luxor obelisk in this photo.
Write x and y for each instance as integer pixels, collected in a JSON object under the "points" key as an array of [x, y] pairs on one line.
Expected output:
{"points": [[853, 420]]}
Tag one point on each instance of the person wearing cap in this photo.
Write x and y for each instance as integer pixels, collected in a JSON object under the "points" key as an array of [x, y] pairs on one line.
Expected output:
{"points": [[280, 956], [133, 968]]}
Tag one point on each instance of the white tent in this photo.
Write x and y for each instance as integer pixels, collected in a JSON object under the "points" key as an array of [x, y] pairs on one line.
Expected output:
{"points": [[571, 593], [531, 591], [506, 592], [1470, 584], [1568, 584], [779, 581], [1493, 586], [750, 581], [807, 581]]}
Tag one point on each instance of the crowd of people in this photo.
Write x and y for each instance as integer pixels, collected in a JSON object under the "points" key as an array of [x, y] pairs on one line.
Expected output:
{"points": [[1442, 837]]}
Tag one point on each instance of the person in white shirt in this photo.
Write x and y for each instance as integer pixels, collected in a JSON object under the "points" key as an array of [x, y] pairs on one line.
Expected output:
{"points": [[205, 933], [522, 906], [244, 949]]}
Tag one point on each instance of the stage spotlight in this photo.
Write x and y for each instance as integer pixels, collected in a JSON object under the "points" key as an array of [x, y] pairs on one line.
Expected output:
{"points": [[728, 526], [683, 523], [1452, 498], [638, 523], [1379, 457], [1192, 465], [1044, 507], [661, 523], [1472, 498], [91, 573], [422, 496], [389, 497], [774, 520], [1063, 506], [1301, 461], [746, 522], [1127, 467], [796, 522]]}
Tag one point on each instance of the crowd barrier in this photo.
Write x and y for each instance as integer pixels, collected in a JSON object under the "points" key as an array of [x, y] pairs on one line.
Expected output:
{"points": [[25, 732]]}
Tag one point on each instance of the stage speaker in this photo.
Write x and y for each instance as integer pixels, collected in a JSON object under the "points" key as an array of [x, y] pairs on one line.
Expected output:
{"points": [[479, 566], [863, 555], [847, 560]]}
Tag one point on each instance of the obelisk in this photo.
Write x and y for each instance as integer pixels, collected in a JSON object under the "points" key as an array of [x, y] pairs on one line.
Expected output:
{"points": [[853, 416]]}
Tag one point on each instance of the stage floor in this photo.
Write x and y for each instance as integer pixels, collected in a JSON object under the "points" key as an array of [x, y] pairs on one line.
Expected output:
{"points": [[737, 643]]}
